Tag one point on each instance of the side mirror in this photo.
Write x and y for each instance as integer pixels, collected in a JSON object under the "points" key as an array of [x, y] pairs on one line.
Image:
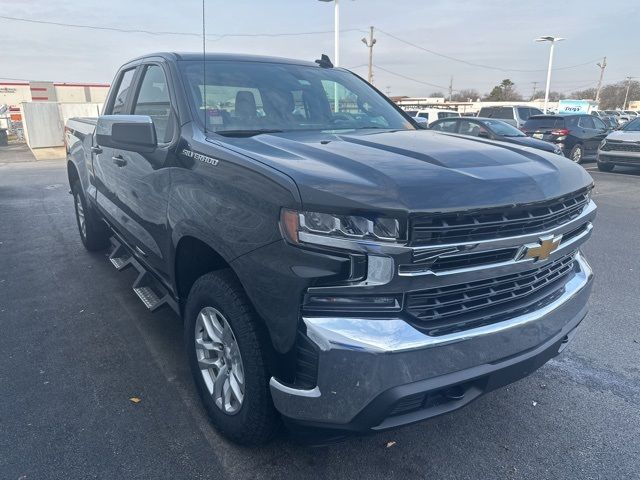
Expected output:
{"points": [[484, 134], [135, 133]]}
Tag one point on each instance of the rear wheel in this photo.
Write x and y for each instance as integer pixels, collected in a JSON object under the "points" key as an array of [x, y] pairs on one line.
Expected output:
{"points": [[228, 359], [93, 232], [605, 167], [577, 154]]}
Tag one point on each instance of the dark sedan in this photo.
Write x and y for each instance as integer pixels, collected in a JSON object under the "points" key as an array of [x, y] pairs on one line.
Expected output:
{"points": [[492, 129]]}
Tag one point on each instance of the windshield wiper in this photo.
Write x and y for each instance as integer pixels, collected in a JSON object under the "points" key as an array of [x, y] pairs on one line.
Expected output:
{"points": [[246, 133]]}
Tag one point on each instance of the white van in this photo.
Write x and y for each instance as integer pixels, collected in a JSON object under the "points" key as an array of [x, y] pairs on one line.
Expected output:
{"points": [[432, 114]]}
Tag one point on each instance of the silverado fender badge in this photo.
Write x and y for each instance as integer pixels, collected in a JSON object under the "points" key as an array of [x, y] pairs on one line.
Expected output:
{"points": [[198, 156]]}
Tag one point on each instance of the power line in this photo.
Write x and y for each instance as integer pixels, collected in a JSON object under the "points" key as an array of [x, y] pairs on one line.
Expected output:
{"points": [[213, 36], [406, 77], [473, 64]]}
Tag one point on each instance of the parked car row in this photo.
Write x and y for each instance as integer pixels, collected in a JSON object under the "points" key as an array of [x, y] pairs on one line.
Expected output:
{"points": [[492, 129], [621, 147]]}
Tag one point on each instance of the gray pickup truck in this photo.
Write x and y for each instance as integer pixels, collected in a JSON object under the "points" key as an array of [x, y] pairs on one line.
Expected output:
{"points": [[337, 269]]}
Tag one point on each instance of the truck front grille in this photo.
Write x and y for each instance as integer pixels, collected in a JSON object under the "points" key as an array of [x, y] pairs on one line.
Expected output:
{"points": [[461, 306], [467, 227], [621, 147]]}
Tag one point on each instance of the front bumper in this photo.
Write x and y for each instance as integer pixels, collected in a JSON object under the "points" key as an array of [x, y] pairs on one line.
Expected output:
{"points": [[375, 374], [615, 157]]}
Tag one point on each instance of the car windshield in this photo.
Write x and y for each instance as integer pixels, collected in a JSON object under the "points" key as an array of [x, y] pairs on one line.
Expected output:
{"points": [[632, 126], [236, 98], [503, 129]]}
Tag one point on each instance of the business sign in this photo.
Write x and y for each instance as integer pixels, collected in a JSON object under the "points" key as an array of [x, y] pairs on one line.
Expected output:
{"points": [[576, 106]]}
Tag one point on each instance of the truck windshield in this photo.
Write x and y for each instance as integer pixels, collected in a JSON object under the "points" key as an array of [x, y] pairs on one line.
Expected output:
{"points": [[632, 126], [239, 98]]}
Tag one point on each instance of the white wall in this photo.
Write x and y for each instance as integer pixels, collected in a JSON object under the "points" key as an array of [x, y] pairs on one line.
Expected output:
{"points": [[43, 122]]}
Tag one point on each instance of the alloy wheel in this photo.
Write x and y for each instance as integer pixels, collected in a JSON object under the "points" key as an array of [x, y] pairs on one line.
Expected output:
{"points": [[82, 223], [219, 360]]}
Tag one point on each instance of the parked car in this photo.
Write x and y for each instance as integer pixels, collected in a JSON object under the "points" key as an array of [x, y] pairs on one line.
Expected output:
{"points": [[334, 268], [620, 117], [430, 115], [493, 130], [630, 113], [621, 147], [515, 115], [610, 121], [577, 135]]}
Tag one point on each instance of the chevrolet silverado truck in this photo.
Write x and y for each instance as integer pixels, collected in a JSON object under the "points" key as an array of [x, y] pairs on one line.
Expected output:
{"points": [[337, 269]]}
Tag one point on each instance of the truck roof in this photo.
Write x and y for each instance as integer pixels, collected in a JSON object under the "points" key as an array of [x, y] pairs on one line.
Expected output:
{"points": [[218, 56]]}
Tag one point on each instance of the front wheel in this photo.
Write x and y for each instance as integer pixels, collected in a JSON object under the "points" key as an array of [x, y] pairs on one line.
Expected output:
{"points": [[577, 154], [605, 167], [227, 355]]}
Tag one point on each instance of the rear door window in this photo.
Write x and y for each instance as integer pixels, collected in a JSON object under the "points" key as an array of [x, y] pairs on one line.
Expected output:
{"points": [[471, 128], [504, 112], [446, 126], [586, 122], [545, 123]]}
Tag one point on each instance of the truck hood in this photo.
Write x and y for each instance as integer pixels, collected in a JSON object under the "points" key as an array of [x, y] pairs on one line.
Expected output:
{"points": [[623, 136], [411, 171]]}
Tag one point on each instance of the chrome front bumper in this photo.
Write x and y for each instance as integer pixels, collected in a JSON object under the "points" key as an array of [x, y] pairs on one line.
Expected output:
{"points": [[361, 358]]}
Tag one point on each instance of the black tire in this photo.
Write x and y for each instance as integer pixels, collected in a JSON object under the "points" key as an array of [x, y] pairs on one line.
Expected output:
{"points": [[605, 167], [577, 154], [94, 235], [256, 421]]}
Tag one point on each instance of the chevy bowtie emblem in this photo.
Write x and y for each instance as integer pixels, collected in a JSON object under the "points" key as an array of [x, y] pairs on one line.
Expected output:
{"points": [[542, 249]]}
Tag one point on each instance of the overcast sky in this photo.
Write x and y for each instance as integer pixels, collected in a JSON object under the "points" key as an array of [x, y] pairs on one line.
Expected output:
{"points": [[495, 33]]}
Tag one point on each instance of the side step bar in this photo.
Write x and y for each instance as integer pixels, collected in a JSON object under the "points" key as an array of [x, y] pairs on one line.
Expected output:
{"points": [[152, 293]]}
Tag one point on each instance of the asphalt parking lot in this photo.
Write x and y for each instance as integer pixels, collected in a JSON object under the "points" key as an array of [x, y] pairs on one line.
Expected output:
{"points": [[77, 344]]}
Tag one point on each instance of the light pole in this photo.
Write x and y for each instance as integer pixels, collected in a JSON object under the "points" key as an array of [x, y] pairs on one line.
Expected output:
{"points": [[336, 48], [553, 41], [336, 31], [626, 95], [370, 43]]}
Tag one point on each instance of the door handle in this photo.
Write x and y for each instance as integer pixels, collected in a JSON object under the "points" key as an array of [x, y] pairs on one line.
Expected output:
{"points": [[96, 150], [119, 161]]}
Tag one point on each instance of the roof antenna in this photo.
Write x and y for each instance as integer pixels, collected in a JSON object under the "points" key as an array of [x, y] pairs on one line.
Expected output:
{"points": [[204, 68], [324, 62]]}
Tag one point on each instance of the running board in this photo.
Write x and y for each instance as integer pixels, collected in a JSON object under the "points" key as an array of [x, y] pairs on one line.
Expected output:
{"points": [[149, 290]]}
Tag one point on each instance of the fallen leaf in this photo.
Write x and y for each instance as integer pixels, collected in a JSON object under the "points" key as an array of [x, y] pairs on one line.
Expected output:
{"points": [[135, 399], [390, 444]]}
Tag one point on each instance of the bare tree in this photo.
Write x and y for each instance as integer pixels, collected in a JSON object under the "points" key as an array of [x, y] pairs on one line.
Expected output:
{"points": [[466, 95]]}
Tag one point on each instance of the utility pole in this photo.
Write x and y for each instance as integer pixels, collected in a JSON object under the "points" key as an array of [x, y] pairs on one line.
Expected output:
{"points": [[370, 43], [535, 89], [602, 66], [451, 88], [626, 95]]}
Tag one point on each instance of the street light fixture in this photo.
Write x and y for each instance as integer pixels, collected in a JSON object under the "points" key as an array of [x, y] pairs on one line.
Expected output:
{"points": [[553, 41]]}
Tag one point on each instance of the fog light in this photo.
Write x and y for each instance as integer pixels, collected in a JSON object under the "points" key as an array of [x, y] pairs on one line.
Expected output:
{"points": [[329, 302]]}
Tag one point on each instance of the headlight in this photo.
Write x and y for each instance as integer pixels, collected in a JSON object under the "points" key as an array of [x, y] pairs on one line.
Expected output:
{"points": [[294, 223], [603, 143]]}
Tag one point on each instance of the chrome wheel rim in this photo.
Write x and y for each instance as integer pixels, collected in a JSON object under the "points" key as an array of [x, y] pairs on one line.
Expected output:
{"points": [[219, 360], [577, 155], [82, 224]]}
